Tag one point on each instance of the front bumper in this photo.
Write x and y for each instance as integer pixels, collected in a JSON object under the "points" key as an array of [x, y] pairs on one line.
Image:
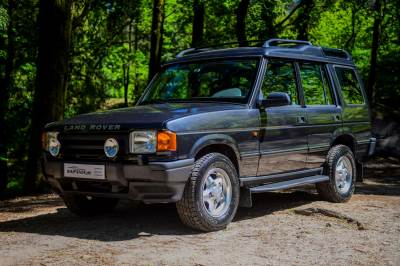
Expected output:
{"points": [[155, 182]]}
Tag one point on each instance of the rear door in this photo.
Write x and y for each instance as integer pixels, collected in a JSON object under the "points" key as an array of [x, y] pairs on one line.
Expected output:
{"points": [[356, 116], [283, 138], [324, 115]]}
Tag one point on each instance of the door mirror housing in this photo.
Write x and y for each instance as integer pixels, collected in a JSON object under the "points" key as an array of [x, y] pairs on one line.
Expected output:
{"points": [[275, 99]]}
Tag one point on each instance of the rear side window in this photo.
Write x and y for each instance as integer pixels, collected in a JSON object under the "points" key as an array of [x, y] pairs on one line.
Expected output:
{"points": [[315, 84], [351, 89], [280, 77]]}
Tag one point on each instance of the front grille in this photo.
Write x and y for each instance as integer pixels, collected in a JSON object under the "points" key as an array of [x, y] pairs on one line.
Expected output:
{"points": [[90, 146]]}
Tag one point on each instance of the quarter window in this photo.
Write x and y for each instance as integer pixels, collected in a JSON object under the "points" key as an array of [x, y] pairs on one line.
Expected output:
{"points": [[280, 77], [351, 89], [315, 84]]}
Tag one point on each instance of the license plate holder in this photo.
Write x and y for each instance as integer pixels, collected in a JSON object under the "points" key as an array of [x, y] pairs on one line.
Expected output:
{"points": [[85, 171]]}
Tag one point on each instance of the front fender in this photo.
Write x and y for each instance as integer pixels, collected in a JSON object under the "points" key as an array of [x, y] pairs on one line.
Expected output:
{"points": [[220, 139]]}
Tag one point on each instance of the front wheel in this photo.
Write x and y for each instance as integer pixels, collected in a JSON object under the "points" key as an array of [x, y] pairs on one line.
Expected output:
{"points": [[211, 195], [341, 169]]}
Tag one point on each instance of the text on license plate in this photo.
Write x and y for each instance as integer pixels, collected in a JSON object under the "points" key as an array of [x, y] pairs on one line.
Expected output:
{"points": [[84, 171]]}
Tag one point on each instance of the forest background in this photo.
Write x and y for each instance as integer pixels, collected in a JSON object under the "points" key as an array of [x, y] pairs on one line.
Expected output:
{"points": [[59, 58]]}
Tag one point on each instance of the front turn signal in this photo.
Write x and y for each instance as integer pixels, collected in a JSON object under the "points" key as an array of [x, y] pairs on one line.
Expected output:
{"points": [[166, 141]]}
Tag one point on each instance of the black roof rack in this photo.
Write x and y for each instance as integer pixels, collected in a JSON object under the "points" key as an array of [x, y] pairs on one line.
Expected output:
{"points": [[305, 47], [267, 43]]}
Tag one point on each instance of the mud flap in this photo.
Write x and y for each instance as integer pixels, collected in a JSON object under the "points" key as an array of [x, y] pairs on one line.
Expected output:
{"points": [[360, 172], [245, 198]]}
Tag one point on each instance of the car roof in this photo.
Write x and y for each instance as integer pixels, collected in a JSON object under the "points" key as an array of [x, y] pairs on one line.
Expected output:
{"points": [[291, 49]]}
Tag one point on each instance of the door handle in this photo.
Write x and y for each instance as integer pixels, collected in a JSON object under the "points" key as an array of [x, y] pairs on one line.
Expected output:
{"points": [[336, 118], [301, 119]]}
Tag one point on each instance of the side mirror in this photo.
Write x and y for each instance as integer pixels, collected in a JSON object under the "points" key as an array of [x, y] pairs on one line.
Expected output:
{"points": [[276, 99]]}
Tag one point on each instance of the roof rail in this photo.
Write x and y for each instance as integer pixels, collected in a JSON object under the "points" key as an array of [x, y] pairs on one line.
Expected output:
{"points": [[205, 48], [330, 52], [333, 52], [284, 41]]}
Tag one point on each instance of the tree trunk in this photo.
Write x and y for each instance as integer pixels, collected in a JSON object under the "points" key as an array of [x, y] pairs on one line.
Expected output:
{"points": [[198, 23], [241, 13], [54, 23], [376, 35], [268, 16], [125, 70], [303, 20], [126, 66], [5, 84], [156, 37], [136, 89], [349, 45]]}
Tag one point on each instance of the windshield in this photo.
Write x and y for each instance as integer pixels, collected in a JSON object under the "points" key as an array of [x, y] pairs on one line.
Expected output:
{"points": [[224, 80]]}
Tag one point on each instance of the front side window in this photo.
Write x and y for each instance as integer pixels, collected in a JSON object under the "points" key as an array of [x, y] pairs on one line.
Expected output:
{"points": [[315, 84], [280, 77], [224, 80], [351, 89]]}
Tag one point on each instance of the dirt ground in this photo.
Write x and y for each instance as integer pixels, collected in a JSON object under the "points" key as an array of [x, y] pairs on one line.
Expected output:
{"points": [[40, 231]]}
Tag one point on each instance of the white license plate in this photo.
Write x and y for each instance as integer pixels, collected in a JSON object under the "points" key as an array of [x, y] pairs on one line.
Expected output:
{"points": [[84, 171]]}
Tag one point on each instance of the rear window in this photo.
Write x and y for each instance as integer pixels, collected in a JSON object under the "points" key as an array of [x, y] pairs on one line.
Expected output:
{"points": [[315, 84], [351, 89]]}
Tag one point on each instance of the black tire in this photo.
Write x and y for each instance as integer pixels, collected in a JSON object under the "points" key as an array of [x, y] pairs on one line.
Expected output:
{"points": [[84, 206], [329, 190], [191, 208]]}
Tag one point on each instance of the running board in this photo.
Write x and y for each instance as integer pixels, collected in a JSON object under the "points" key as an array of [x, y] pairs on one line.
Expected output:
{"points": [[290, 183]]}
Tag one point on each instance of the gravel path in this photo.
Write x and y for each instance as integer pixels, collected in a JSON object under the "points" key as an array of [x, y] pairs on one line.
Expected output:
{"points": [[40, 231]]}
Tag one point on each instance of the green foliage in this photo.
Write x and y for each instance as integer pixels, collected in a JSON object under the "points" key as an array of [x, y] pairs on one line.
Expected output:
{"points": [[111, 44]]}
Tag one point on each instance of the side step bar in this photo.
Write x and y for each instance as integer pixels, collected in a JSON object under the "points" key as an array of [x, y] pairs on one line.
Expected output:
{"points": [[290, 183]]}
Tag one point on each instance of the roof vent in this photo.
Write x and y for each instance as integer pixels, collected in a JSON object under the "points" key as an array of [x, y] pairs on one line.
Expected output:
{"points": [[338, 53], [278, 42]]}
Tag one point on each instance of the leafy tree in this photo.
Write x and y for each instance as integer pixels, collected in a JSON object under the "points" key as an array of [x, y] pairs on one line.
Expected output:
{"points": [[62, 58]]}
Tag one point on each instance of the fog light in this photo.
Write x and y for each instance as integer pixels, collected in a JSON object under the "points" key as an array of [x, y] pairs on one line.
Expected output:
{"points": [[54, 146], [111, 147]]}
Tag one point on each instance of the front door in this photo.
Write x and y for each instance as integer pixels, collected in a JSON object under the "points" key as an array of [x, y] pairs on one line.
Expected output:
{"points": [[283, 137]]}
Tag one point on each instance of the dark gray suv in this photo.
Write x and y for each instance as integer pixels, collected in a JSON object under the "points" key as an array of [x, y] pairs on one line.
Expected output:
{"points": [[215, 126]]}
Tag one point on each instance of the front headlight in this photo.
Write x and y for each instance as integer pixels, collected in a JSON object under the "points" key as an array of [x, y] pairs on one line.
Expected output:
{"points": [[51, 143], [143, 141], [151, 141]]}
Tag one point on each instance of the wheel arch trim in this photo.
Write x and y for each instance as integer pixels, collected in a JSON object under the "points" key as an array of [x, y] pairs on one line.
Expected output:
{"points": [[216, 139]]}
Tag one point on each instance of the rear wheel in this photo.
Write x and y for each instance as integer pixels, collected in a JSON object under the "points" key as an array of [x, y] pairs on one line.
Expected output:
{"points": [[341, 169], [211, 195], [88, 206]]}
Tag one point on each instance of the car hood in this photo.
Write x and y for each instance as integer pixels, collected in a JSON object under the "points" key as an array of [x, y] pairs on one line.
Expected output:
{"points": [[138, 117]]}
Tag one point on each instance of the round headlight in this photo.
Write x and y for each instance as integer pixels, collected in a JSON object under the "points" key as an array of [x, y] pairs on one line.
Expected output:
{"points": [[54, 146], [111, 147]]}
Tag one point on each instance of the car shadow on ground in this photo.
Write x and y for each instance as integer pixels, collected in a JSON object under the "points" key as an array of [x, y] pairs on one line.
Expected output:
{"points": [[132, 220]]}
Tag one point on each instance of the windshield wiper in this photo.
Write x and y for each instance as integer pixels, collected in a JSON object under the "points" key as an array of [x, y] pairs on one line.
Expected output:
{"points": [[154, 101], [158, 101]]}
